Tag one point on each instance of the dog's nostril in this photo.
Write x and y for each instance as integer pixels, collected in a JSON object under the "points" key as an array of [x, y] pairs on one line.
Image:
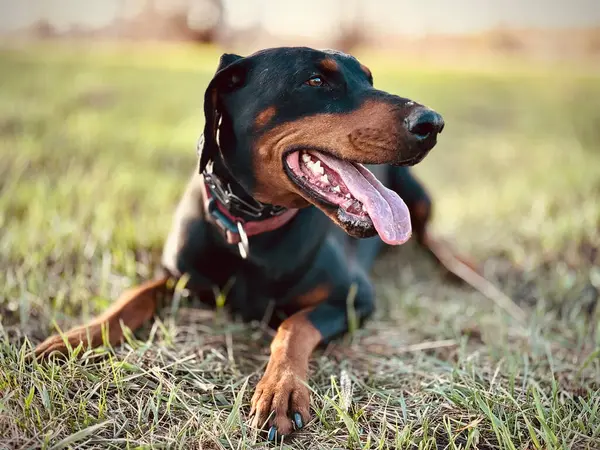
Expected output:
{"points": [[423, 129], [423, 123]]}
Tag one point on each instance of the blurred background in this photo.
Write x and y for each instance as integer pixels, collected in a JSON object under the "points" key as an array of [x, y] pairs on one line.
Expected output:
{"points": [[100, 111], [539, 28], [101, 106]]}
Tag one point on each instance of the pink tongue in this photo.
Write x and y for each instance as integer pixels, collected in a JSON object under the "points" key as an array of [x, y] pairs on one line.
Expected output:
{"points": [[387, 210]]}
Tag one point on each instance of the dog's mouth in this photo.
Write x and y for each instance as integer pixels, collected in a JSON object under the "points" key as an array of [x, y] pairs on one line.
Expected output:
{"points": [[364, 207]]}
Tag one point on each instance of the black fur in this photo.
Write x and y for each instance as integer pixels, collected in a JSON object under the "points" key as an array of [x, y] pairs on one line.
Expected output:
{"points": [[306, 252]]}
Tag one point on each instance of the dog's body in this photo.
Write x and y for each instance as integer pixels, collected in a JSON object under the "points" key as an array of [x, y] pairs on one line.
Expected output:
{"points": [[290, 268], [289, 127]]}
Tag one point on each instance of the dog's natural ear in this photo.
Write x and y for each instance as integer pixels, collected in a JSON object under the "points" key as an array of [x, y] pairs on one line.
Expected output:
{"points": [[229, 76]]}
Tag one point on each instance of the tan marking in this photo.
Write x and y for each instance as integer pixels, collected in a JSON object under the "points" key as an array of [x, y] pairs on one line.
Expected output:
{"points": [[132, 309], [313, 297], [295, 341], [371, 134], [366, 70], [282, 387], [329, 64], [265, 116]]}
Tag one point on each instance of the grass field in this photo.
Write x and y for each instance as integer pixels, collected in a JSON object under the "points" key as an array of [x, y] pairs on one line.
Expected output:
{"points": [[96, 146]]}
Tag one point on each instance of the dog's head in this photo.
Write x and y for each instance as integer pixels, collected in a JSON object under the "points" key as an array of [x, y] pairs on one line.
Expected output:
{"points": [[294, 127]]}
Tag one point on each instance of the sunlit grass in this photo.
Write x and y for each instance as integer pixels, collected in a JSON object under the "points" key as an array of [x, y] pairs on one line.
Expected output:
{"points": [[97, 145]]}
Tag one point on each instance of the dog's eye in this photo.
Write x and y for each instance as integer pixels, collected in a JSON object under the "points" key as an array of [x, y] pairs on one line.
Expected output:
{"points": [[315, 81]]}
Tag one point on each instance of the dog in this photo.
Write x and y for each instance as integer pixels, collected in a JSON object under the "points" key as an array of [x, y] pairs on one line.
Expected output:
{"points": [[303, 179]]}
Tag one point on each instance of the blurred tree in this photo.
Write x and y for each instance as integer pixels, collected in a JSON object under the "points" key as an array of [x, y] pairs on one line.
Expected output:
{"points": [[352, 31], [196, 20], [504, 40], [43, 29], [205, 19], [593, 42]]}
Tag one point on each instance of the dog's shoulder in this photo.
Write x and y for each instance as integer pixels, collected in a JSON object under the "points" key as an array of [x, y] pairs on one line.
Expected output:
{"points": [[188, 219]]}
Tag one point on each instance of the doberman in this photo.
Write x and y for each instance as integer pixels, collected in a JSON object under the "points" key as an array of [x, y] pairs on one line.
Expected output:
{"points": [[294, 139]]}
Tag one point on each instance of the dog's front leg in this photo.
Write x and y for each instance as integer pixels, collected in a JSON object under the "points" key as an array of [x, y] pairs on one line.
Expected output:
{"points": [[282, 399], [282, 393]]}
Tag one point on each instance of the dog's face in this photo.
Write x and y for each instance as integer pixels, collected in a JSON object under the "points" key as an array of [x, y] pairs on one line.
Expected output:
{"points": [[296, 125]]}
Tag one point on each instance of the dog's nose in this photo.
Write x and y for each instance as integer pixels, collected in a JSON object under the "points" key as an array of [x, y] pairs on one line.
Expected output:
{"points": [[423, 123]]}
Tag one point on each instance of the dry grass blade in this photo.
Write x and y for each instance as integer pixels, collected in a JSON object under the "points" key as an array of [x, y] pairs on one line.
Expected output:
{"points": [[478, 282], [79, 436]]}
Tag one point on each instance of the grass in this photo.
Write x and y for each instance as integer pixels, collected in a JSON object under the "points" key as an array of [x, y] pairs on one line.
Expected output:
{"points": [[96, 146]]}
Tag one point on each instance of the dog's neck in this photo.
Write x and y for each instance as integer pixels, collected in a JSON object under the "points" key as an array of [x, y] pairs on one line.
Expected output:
{"points": [[234, 211], [228, 180]]}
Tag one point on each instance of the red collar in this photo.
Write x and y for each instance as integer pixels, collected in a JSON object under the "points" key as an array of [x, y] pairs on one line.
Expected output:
{"points": [[228, 223]]}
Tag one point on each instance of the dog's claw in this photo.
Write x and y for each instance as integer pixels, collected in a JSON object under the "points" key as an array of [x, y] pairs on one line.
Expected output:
{"points": [[281, 402]]}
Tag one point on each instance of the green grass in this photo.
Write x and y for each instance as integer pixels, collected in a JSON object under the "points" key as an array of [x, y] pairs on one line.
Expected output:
{"points": [[96, 146]]}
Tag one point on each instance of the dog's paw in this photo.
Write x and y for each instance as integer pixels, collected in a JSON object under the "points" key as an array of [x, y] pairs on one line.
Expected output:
{"points": [[281, 402], [57, 344]]}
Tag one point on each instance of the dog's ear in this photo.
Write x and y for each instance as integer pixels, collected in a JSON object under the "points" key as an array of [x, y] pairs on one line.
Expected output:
{"points": [[229, 76]]}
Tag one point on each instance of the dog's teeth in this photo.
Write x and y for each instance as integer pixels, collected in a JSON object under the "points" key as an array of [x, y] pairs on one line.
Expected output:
{"points": [[316, 168], [306, 158], [364, 209], [336, 189], [325, 180], [348, 195]]}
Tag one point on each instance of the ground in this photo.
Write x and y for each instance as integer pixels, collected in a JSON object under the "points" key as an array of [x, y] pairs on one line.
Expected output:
{"points": [[97, 145]]}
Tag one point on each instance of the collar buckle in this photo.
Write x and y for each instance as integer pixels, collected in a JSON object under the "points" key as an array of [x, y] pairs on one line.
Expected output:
{"points": [[231, 213], [250, 208]]}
